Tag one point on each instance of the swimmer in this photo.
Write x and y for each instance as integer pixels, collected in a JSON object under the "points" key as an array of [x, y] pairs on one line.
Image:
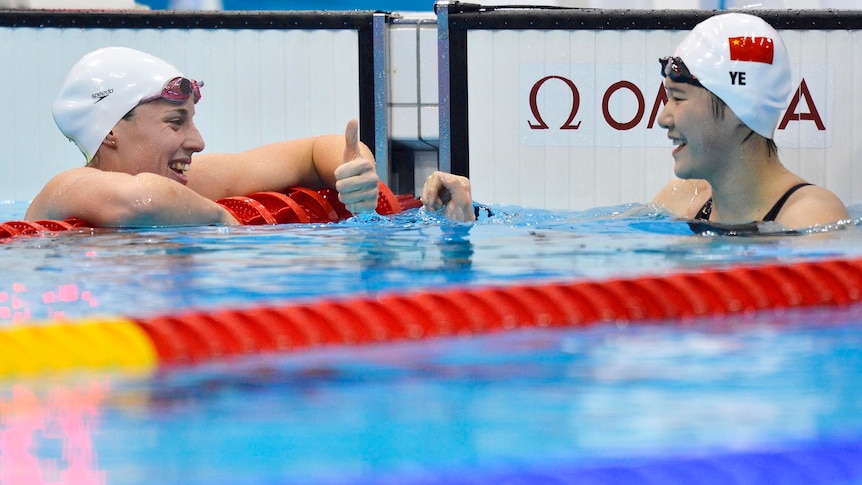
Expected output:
{"points": [[725, 160], [132, 116]]}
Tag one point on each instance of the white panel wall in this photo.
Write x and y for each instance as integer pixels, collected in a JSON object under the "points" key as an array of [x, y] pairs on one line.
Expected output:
{"points": [[268, 85], [830, 60], [413, 80], [413, 94], [261, 86], [600, 164]]}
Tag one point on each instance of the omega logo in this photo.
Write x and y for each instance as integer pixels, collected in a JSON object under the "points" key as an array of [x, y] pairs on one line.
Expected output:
{"points": [[538, 122]]}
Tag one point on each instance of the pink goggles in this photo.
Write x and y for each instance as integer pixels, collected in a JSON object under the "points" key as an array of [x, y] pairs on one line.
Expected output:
{"points": [[177, 91]]}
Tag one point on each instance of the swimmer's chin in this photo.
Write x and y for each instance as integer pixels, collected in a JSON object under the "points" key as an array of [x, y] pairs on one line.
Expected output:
{"points": [[178, 177], [177, 171]]}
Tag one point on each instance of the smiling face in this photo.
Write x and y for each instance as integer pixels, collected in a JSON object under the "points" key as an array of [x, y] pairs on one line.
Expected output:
{"points": [[705, 143], [156, 137]]}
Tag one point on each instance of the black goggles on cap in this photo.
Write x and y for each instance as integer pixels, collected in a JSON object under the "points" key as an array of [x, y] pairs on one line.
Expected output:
{"points": [[674, 69]]}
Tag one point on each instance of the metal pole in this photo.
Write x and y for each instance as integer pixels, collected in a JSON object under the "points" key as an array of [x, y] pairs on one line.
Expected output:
{"points": [[380, 34], [444, 151]]}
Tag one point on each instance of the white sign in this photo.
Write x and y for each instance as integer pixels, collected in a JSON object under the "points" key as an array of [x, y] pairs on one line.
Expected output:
{"points": [[618, 106]]}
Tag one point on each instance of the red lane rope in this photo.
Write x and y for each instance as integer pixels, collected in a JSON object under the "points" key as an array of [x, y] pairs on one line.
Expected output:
{"points": [[305, 205], [299, 205], [195, 337]]}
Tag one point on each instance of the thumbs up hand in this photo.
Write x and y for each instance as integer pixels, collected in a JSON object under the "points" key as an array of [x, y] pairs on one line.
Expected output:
{"points": [[356, 178]]}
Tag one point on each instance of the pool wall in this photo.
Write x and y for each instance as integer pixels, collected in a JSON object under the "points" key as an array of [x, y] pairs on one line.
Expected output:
{"points": [[557, 108], [451, 90], [268, 77]]}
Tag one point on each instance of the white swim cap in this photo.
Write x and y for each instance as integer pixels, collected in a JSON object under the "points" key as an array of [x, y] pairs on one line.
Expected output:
{"points": [[101, 88], [741, 59]]}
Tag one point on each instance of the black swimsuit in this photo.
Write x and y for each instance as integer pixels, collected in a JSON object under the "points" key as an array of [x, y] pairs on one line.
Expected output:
{"points": [[706, 210]]}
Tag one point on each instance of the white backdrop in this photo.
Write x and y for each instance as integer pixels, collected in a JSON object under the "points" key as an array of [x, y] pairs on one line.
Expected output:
{"points": [[614, 152], [260, 86]]}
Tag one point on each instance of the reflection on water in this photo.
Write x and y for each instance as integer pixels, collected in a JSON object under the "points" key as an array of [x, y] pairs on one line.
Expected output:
{"points": [[49, 438], [774, 382], [159, 271], [771, 382]]}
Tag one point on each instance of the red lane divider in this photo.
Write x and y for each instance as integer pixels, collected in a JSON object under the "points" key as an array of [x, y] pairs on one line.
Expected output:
{"points": [[305, 205], [318, 208], [205, 336], [284, 209], [299, 205], [7, 230], [10, 229], [62, 225], [247, 210]]}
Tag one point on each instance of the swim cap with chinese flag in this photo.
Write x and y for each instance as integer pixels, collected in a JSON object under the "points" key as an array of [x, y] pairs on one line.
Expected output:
{"points": [[741, 59], [752, 49]]}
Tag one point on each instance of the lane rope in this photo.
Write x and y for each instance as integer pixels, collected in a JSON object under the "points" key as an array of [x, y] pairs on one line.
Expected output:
{"points": [[298, 205], [194, 337], [94, 343]]}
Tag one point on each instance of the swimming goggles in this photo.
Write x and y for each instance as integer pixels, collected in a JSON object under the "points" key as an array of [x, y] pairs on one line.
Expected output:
{"points": [[674, 69], [177, 91]]}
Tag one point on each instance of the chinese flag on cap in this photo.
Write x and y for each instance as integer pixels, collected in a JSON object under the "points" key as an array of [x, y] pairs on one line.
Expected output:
{"points": [[753, 49]]}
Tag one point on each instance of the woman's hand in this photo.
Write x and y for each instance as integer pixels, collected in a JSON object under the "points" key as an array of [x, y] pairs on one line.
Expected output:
{"points": [[356, 178], [451, 193]]}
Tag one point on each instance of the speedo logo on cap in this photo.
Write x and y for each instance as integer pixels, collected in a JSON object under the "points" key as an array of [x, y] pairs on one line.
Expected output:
{"points": [[751, 49], [101, 95]]}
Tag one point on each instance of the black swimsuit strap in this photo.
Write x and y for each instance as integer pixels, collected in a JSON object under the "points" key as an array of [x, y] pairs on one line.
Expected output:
{"points": [[773, 213], [706, 210]]}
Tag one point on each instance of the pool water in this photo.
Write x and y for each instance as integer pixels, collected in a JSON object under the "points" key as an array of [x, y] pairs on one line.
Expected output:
{"points": [[708, 396], [149, 272], [716, 400]]}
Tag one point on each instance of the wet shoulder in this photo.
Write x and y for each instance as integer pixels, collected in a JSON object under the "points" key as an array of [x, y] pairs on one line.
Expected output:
{"points": [[810, 206], [684, 197], [56, 193]]}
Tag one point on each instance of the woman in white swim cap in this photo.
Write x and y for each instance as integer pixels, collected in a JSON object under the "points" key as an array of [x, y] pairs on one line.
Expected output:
{"points": [[727, 85], [132, 116]]}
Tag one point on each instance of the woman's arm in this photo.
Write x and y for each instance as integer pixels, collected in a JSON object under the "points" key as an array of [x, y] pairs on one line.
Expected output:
{"points": [[339, 162], [111, 199]]}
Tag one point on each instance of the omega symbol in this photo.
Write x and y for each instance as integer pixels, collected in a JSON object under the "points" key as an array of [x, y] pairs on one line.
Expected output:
{"points": [[534, 107]]}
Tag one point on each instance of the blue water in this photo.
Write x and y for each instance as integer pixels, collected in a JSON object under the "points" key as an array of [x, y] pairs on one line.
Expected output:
{"points": [[712, 396], [774, 397], [141, 273]]}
